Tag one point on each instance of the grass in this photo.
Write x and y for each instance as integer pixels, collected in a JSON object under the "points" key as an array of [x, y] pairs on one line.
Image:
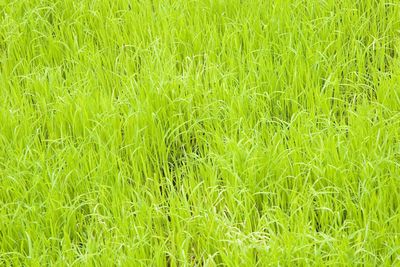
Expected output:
{"points": [[199, 133]]}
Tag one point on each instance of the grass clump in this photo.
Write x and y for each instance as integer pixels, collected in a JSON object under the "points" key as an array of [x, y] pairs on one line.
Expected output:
{"points": [[191, 133]]}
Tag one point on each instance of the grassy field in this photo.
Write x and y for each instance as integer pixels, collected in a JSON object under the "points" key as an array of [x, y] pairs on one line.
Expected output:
{"points": [[199, 133]]}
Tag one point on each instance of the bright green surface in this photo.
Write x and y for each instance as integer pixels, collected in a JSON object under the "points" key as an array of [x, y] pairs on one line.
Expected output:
{"points": [[199, 132]]}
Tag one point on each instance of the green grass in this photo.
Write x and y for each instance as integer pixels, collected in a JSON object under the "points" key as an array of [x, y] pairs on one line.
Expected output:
{"points": [[181, 133]]}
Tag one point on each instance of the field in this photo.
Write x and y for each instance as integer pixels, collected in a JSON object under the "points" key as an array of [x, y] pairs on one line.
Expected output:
{"points": [[199, 133]]}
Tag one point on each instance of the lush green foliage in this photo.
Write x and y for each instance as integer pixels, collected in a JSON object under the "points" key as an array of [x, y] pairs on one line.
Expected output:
{"points": [[199, 132]]}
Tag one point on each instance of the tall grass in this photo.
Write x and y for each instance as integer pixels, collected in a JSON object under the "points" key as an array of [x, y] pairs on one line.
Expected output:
{"points": [[166, 133]]}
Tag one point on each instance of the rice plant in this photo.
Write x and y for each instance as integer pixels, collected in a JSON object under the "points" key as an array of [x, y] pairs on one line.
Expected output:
{"points": [[199, 133]]}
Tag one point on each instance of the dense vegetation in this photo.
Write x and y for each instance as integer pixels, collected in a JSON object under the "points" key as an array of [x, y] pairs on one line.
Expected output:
{"points": [[202, 132]]}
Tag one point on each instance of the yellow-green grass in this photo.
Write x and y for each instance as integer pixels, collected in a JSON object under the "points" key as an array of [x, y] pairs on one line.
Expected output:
{"points": [[199, 133]]}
